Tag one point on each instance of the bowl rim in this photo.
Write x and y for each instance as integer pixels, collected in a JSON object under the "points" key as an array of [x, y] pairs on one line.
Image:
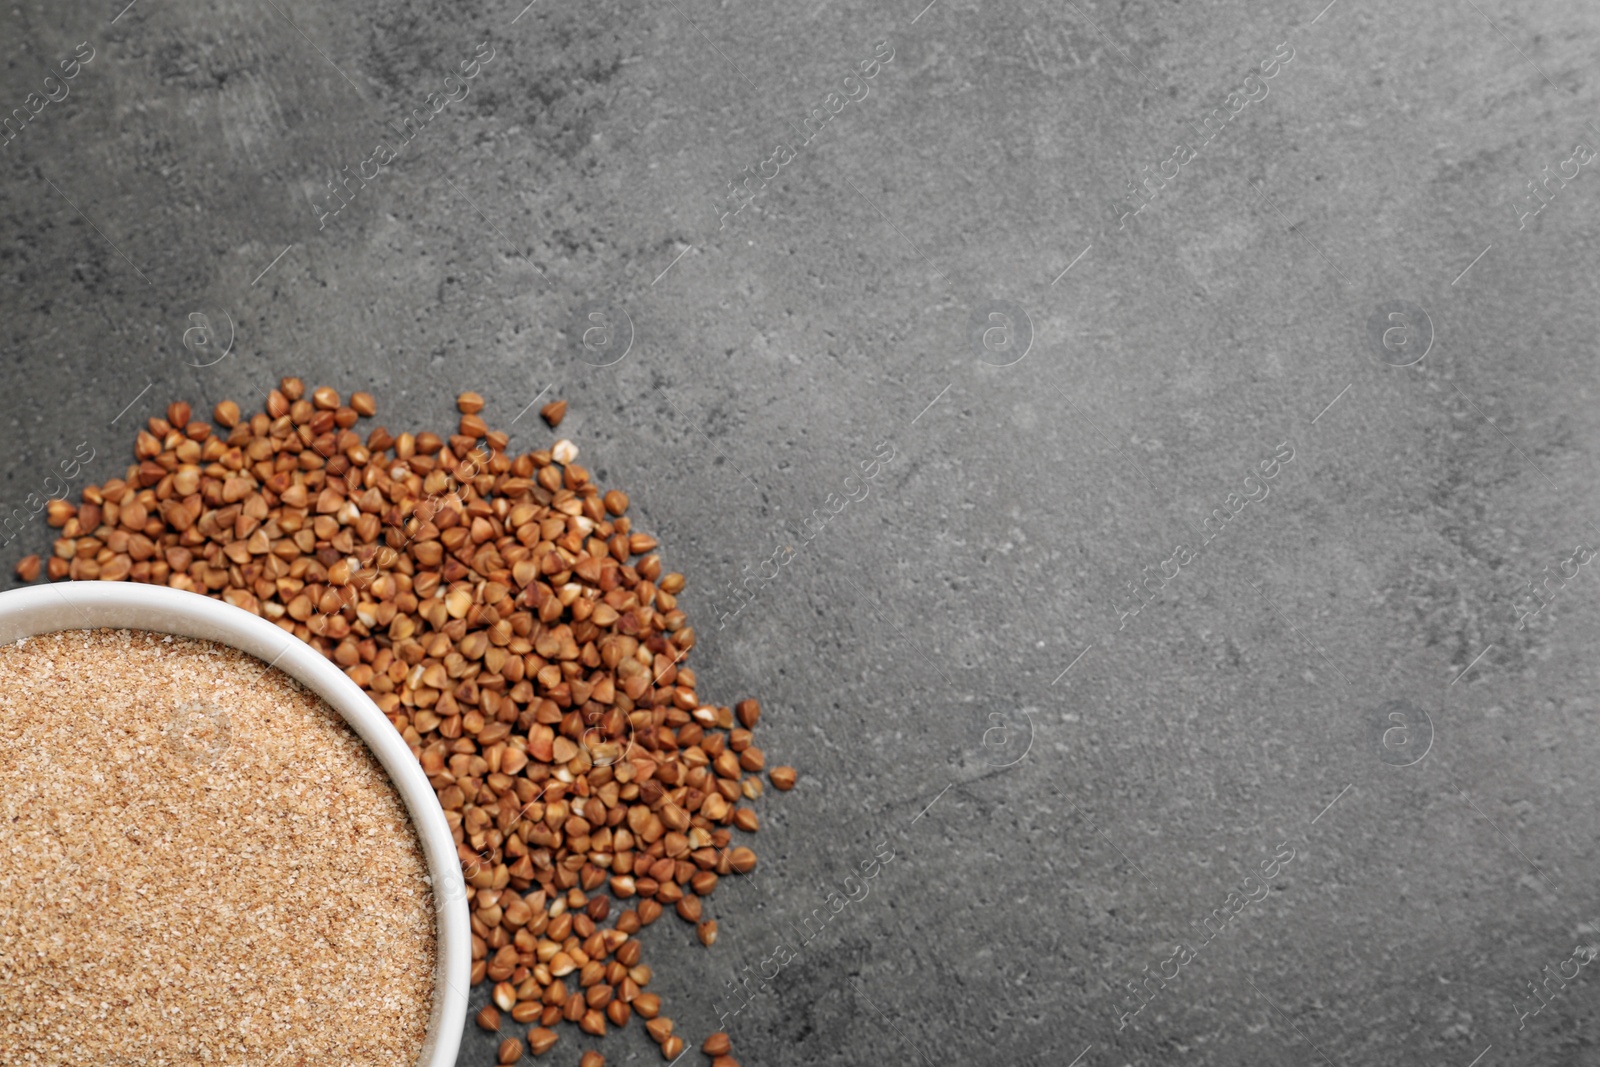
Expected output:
{"points": [[37, 610]]}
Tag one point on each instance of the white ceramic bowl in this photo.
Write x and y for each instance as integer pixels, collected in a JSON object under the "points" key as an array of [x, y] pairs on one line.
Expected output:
{"points": [[116, 605]]}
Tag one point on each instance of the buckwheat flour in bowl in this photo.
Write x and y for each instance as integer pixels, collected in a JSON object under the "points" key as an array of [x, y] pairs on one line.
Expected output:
{"points": [[200, 863]]}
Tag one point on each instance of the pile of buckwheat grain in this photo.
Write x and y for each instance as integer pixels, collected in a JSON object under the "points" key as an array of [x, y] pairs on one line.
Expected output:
{"points": [[517, 631], [199, 862]]}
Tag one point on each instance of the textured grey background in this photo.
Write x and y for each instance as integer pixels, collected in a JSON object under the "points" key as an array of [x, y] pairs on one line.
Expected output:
{"points": [[1106, 811]]}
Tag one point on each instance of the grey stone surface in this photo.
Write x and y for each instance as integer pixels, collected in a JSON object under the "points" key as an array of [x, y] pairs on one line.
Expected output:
{"points": [[1055, 831]]}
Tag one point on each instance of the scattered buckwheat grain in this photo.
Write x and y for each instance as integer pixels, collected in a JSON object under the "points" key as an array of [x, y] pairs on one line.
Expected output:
{"points": [[523, 638]]}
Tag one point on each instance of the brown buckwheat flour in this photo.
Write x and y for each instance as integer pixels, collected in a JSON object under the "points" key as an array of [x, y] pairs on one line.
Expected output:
{"points": [[200, 863]]}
